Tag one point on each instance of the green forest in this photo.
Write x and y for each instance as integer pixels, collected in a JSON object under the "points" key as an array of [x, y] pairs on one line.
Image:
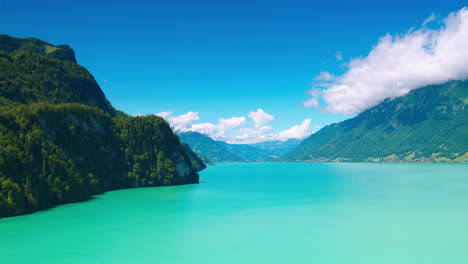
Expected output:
{"points": [[62, 141]]}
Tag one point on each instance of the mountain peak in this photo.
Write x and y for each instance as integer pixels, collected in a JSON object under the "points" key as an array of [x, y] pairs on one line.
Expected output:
{"points": [[12, 45]]}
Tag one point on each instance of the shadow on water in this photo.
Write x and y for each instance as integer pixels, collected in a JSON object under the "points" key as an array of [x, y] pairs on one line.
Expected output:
{"points": [[25, 214], [87, 200]]}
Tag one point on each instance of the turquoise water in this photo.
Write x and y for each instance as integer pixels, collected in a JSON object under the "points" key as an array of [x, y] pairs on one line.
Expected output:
{"points": [[261, 213]]}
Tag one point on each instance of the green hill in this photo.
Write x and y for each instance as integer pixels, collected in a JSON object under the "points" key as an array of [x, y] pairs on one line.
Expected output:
{"points": [[208, 148], [62, 141], [32, 71], [427, 124]]}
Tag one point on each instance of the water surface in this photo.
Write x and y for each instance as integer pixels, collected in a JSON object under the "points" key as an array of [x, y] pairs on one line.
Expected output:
{"points": [[261, 213]]}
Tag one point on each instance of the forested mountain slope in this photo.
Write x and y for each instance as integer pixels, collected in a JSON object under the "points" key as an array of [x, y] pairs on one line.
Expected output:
{"points": [[208, 148], [32, 70], [427, 124], [61, 141]]}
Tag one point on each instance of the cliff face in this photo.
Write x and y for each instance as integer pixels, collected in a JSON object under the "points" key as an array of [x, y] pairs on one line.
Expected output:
{"points": [[61, 140]]}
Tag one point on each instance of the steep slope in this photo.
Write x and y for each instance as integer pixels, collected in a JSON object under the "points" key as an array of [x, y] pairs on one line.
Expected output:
{"points": [[32, 70], [427, 124], [197, 162], [61, 141], [208, 148]]}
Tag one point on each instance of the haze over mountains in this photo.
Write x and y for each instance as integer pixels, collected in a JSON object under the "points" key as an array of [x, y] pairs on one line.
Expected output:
{"points": [[219, 151]]}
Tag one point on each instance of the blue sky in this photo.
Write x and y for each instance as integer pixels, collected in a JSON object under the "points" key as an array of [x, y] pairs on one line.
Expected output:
{"points": [[220, 59]]}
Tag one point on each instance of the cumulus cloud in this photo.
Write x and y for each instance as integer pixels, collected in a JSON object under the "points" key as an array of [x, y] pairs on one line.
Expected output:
{"points": [[324, 76], [208, 129], [397, 65], [237, 129], [254, 135], [232, 122], [218, 131], [183, 122], [260, 118], [164, 114], [298, 131]]}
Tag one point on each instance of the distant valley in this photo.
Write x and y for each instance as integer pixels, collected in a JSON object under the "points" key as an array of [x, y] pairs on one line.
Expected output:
{"points": [[214, 151], [429, 124]]}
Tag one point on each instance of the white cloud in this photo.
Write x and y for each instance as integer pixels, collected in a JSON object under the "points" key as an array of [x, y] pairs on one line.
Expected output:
{"points": [[183, 122], [218, 131], [260, 118], [397, 65], [208, 129], [312, 103], [232, 122], [298, 131], [236, 129], [324, 76], [255, 135], [164, 114]]}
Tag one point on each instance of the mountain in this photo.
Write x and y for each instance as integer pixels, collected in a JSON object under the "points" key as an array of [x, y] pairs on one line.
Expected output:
{"points": [[246, 152], [207, 148], [62, 141], [220, 151], [32, 70], [427, 124], [278, 148]]}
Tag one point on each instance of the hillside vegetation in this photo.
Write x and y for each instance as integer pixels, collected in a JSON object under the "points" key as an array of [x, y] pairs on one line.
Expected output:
{"points": [[427, 124], [62, 141]]}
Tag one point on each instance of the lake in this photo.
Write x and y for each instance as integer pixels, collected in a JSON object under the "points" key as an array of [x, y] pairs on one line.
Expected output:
{"points": [[261, 213]]}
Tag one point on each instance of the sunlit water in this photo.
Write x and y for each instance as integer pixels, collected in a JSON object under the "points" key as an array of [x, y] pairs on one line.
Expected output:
{"points": [[261, 213]]}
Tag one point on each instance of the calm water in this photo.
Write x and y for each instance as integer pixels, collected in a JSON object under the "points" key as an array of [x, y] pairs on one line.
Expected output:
{"points": [[261, 213]]}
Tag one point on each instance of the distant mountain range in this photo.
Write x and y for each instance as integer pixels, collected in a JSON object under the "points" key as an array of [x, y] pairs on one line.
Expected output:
{"points": [[219, 151], [427, 124]]}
